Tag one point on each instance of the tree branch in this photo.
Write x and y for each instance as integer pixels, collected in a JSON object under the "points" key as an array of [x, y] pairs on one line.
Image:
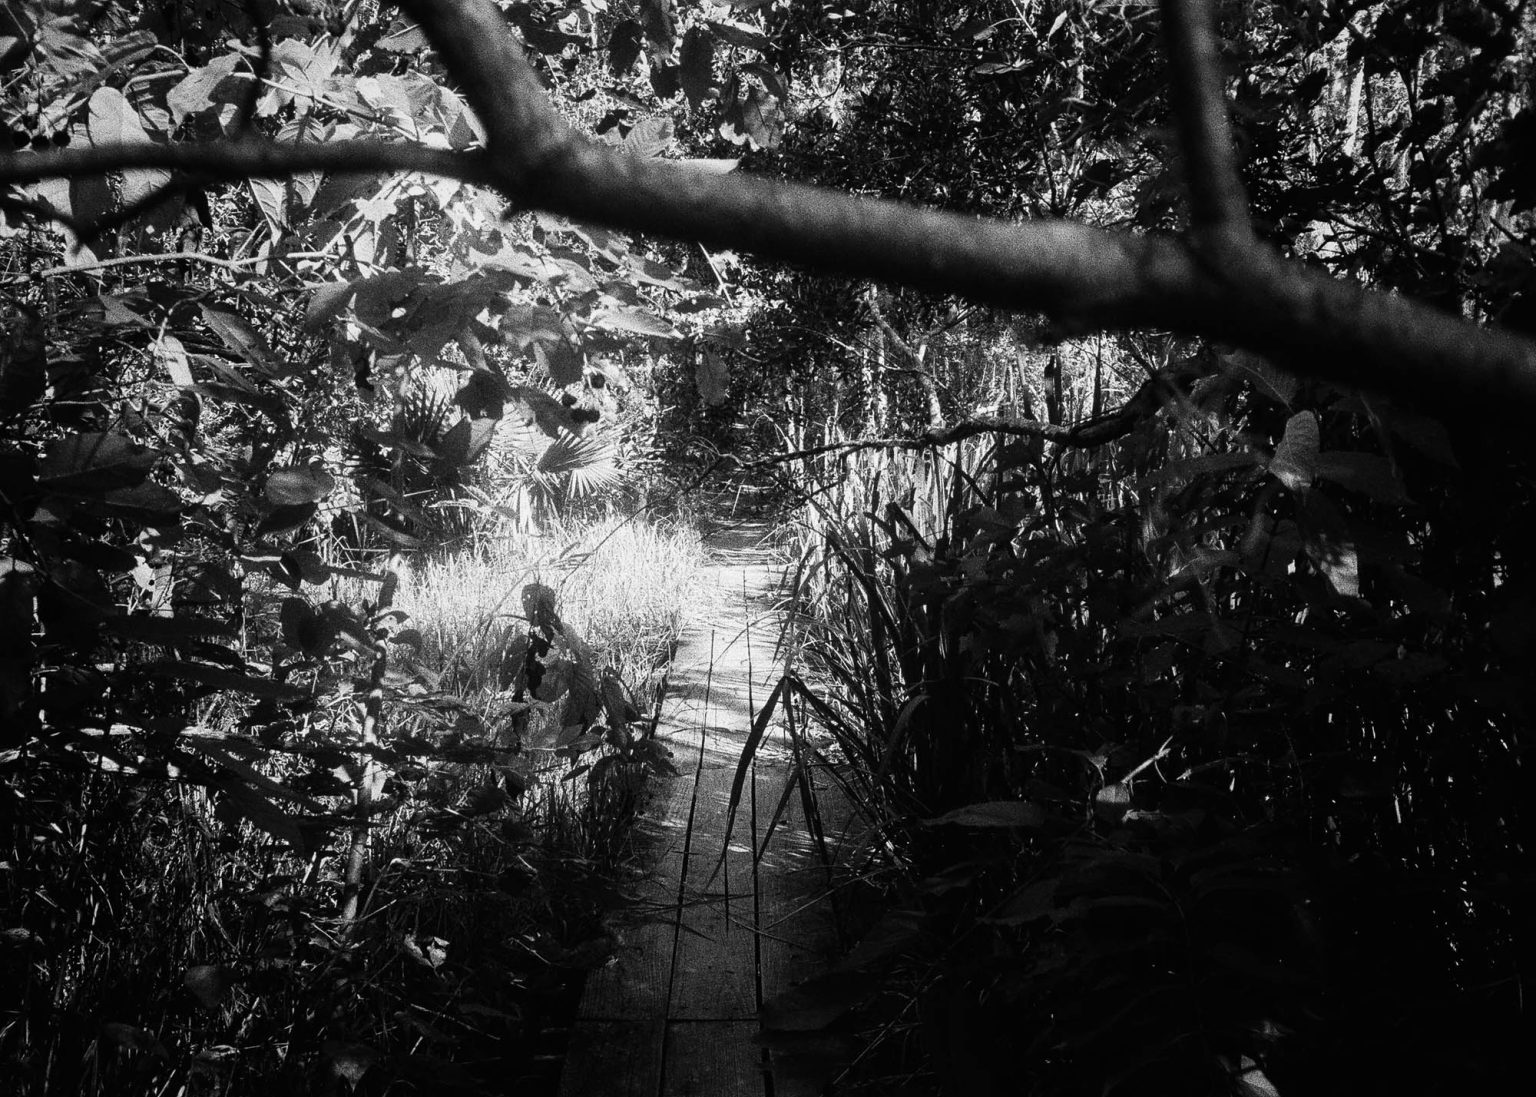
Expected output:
{"points": [[1217, 205], [1083, 278], [235, 265], [933, 439], [914, 355], [1159, 390]]}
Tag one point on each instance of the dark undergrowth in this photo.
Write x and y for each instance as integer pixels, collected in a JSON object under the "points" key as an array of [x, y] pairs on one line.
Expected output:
{"points": [[167, 930], [1180, 771]]}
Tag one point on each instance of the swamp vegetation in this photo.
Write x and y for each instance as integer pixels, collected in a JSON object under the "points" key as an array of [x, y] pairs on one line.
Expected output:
{"points": [[1156, 521]]}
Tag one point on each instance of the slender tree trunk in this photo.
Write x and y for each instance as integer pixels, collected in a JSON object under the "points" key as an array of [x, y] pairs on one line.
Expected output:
{"points": [[369, 776]]}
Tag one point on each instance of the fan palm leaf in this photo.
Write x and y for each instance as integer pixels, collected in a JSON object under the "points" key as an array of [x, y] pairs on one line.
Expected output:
{"points": [[581, 466]]}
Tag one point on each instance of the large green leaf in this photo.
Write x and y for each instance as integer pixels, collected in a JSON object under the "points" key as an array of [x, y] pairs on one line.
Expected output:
{"points": [[738, 35], [111, 120], [713, 377], [203, 88], [650, 137], [1366, 473], [696, 66], [1295, 461], [639, 321], [94, 463], [291, 487], [239, 336], [534, 405], [465, 441]]}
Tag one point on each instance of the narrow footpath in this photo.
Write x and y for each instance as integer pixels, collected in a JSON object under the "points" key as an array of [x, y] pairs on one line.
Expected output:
{"points": [[713, 937]]}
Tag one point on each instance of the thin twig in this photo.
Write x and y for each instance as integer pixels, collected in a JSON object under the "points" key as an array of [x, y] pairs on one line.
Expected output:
{"points": [[1157, 391], [249, 159], [170, 257]]}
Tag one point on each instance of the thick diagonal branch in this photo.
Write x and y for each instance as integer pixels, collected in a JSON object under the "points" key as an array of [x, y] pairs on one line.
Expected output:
{"points": [[1083, 278]]}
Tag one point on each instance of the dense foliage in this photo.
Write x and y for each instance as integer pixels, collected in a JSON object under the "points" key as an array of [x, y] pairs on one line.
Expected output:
{"points": [[242, 426], [1192, 740], [1198, 750]]}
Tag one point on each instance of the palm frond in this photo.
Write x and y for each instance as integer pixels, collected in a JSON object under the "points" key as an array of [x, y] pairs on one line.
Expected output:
{"points": [[586, 464]]}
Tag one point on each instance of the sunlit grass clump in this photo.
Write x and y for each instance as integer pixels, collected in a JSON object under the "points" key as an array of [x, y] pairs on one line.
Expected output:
{"points": [[621, 585]]}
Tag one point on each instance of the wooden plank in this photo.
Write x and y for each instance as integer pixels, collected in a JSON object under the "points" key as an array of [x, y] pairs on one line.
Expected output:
{"points": [[715, 972], [636, 984], [710, 957], [798, 935], [712, 1059], [614, 1059], [799, 925]]}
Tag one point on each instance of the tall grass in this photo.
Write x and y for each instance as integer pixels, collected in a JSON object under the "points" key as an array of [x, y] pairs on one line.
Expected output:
{"points": [[156, 944], [622, 585], [1143, 826]]}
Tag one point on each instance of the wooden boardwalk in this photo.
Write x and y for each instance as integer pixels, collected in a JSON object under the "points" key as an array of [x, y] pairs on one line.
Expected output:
{"points": [[713, 937]]}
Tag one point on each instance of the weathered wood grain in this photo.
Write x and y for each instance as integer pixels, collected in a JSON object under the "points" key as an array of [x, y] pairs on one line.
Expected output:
{"points": [[675, 1014], [636, 983], [798, 928], [713, 1059], [614, 1059], [715, 972]]}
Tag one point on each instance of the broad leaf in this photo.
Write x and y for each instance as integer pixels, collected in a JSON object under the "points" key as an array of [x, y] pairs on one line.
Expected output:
{"points": [[285, 518], [1339, 563], [994, 813], [650, 137], [113, 121], [296, 486], [1295, 459], [239, 336], [713, 377], [561, 361], [326, 302], [624, 46], [200, 88], [738, 35], [696, 66], [753, 116], [149, 503], [1275, 383], [1366, 473], [172, 356], [638, 321], [466, 441], [300, 70], [209, 984], [94, 463], [711, 166], [534, 405]]}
